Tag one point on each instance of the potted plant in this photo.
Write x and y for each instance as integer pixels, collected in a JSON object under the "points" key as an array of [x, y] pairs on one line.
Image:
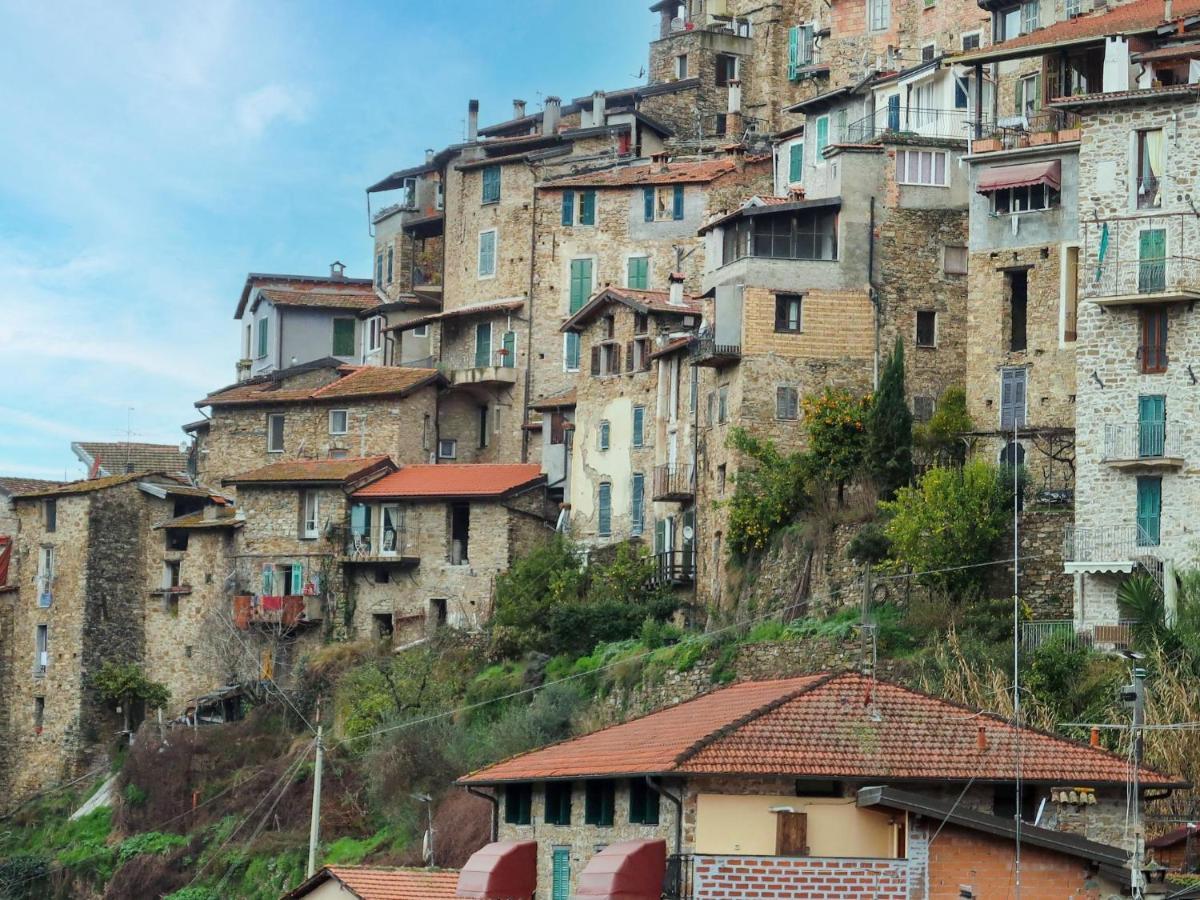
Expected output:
{"points": [[985, 145]]}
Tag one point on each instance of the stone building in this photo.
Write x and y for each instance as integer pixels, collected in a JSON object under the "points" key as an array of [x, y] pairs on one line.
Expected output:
{"points": [[846, 807], [10, 488], [318, 410], [100, 458], [426, 543]]}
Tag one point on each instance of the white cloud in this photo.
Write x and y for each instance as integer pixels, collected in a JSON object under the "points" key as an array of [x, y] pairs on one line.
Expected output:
{"points": [[257, 110]]}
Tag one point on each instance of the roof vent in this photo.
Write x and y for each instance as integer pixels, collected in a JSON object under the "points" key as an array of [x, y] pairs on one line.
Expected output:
{"points": [[981, 740], [337, 270]]}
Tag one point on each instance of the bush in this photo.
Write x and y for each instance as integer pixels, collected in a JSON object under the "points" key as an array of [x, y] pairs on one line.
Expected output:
{"points": [[941, 438], [837, 436], [24, 876], [157, 843], [769, 494], [889, 428], [869, 545]]}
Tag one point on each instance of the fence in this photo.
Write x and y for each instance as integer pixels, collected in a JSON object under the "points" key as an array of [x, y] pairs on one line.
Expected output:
{"points": [[1036, 634], [703, 349], [674, 567], [677, 882]]}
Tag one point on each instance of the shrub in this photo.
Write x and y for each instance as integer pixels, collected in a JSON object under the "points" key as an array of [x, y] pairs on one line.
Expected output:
{"points": [[889, 428], [770, 493], [869, 545], [157, 843], [837, 436], [24, 876], [941, 438]]}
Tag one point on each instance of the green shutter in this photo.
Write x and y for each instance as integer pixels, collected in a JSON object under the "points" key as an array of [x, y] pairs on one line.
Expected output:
{"points": [[297, 579], [796, 163], [343, 337], [510, 349], [822, 135], [1149, 511], [581, 283], [483, 344], [794, 53], [571, 351], [263, 325], [561, 874], [604, 510], [491, 184], [678, 202], [587, 212], [648, 203], [637, 514], [639, 273], [639, 426], [568, 208], [1152, 260], [1152, 425]]}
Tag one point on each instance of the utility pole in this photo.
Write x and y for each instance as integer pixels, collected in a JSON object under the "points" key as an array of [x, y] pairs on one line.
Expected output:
{"points": [[1134, 695], [314, 827], [865, 618]]}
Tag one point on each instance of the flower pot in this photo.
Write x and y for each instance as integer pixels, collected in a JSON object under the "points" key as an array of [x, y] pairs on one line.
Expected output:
{"points": [[1038, 138], [1069, 134], [985, 145]]}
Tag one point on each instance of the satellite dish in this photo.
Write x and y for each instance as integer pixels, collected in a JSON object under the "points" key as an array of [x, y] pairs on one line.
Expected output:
{"points": [[688, 533]]}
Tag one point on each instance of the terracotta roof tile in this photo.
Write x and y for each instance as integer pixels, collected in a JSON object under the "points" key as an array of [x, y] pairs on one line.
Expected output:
{"points": [[91, 485], [647, 301], [314, 471], [16, 485], [361, 297], [388, 884], [354, 381], [325, 283], [556, 402], [116, 458], [698, 172], [670, 347], [474, 309], [832, 726], [453, 480]]}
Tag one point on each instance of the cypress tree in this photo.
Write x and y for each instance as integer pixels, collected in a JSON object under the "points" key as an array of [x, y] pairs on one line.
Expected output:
{"points": [[889, 429]]}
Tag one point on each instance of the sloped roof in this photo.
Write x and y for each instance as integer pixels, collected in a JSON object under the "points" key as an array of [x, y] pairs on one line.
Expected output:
{"points": [[225, 517], [15, 485], [91, 485], [658, 302], [698, 172], [821, 726], [368, 883], [354, 382], [295, 283], [558, 401], [453, 480], [315, 471], [354, 297], [117, 457], [459, 312], [670, 347]]}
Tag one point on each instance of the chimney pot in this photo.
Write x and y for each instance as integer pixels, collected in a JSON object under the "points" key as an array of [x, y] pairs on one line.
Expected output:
{"points": [[1095, 741], [429, 155], [551, 115], [981, 739], [473, 121], [518, 109], [337, 270], [675, 295], [1168, 10], [599, 109]]}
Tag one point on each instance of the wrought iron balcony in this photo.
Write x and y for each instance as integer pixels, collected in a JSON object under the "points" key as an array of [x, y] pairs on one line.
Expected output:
{"points": [[1053, 126], [1144, 445], [705, 351], [674, 567], [1160, 279], [911, 121], [1101, 544], [396, 548], [674, 482]]}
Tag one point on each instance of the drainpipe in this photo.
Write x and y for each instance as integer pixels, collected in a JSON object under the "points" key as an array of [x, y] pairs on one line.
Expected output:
{"points": [[677, 802], [495, 801], [529, 331], [873, 292]]}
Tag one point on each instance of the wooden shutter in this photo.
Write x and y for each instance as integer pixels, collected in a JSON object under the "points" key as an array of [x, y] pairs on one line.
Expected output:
{"points": [[678, 209], [510, 348], [629, 356], [587, 211], [791, 834], [568, 208], [616, 359], [581, 283], [1152, 423], [1153, 344], [794, 53], [595, 360], [796, 163], [1149, 510], [648, 203], [560, 888], [5, 557]]}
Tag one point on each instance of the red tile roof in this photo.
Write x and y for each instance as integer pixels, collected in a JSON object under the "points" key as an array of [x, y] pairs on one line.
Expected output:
{"points": [[118, 457], [16, 485], [670, 347], [698, 172], [643, 301], [361, 297], [91, 485], [385, 884], [353, 381], [316, 471], [452, 480], [1102, 97], [820, 726], [297, 283], [475, 309], [558, 401]]}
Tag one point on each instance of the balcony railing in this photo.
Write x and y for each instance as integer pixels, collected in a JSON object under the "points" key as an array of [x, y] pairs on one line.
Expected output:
{"points": [[1035, 634], [392, 545], [672, 567], [705, 351], [282, 612], [1104, 543], [674, 482], [914, 121], [1144, 442], [677, 881], [1139, 280], [1048, 127]]}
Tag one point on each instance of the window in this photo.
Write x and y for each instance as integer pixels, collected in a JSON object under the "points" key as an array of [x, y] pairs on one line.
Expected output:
{"points": [[518, 804], [1024, 199], [926, 328], [822, 137], [800, 49], [460, 533], [426, 430], [970, 41], [664, 203], [379, 270], [311, 522], [1015, 20], [1029, 16], [1149, 168], [641, 323], [1018, 309], [447, 448], [421, 331], [508, 350], [483, 427], [606, 359], [639, 426], [1028, 96], [928, 52], [1152, 260], [343, 337], [390, 260], [637, 273], [487, 253], [45, 576], [39, 713], [483, 344], [643, 803], [787, 402], [637, 502], [599, 800], [1152, 425], [391, 527], [721, 472], [604, 510], [1074, 8], [923, 407], [263, 332], [962, 92], [581, 284], [1070, 287], [681, 66], [374, 333], [41, 653], [1013, 390], [1152, 345], [360, 529], [879, 14], [558, 803], [602, 435], [796, 162], [954, 260], [788, 316], [578, 207], [921, 167], [339, 420], [571, 351], [275, 433], [50, 514], [727, 69], [1149, 511], [723, 404], [491, 184]]}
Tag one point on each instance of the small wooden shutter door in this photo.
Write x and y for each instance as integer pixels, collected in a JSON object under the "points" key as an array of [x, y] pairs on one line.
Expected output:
{"points": [[1152, 425], [796, 163], [629, 356], [794, 53], [678, 210], [595, 360], [568, 207], [791, 834], [648, 203], [561, 874], [587, 211], [1149, 510]]}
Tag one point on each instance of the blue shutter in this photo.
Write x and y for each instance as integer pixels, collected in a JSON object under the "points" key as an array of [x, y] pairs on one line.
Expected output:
{"points": [[510, 349], [822, 135], [639, 426], [678, 202], [1152, 425], [794, 53], [604, 510], [568, 208], [587, 212], [571, 351], [796, 163], [561, 874], [1149, 511], [636, 519], [648, 202]]}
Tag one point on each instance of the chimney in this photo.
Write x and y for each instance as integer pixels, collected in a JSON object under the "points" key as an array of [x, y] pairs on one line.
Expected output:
{"points": [[675, 297], [735, 97], [551, 115], [1168, 9], [599, 111], [981, 739], [337, 270], [518, 109], [1095, 741], [473, 121], [428, 156]]}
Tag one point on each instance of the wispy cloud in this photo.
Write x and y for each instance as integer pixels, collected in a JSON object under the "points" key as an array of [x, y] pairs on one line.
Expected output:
{"points": [[257, 110]]}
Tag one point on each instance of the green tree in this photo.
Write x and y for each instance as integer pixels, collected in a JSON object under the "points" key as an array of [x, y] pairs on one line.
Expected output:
{"points": [[837, 436], [770, 492], [941, 438], [951, 519], [125, 684], [550, 576], [889, 429]]}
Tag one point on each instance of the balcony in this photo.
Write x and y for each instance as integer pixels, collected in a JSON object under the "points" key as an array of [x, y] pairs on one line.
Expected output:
{"points": [[674, 483], [674, 568], [397, 549], [284, 613], [1035, 634], [1142, 282], [1109, 549], [1018, 132], [1143, 446], [910, 123], [496, 368], [705, 351]]}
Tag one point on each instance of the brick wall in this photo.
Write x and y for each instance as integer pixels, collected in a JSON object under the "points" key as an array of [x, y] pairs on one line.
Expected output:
{"points": [[791, 879]]}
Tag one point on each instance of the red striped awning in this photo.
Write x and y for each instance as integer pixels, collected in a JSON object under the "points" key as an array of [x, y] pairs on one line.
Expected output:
{"points": [[997, 178], [630, 870], [504, 870]]}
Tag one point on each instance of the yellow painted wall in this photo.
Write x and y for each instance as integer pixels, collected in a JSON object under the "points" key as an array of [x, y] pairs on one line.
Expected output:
{"points": [[741, 823]]}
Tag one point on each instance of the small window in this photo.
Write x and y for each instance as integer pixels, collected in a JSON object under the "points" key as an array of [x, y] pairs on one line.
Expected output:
{"points": [[926, 328], [1152, 345], [727, 69], [421, 331], [954, 260], [637, 274], [487, 254], [518, 804], [45, 577], [641, 323], [447, 449], [822, 140], [723, 404], [928, 51], [921, 167], [787, 402], [172, 573], [264, 327], [491, 184], [374, 333], [39, 713], [643, 803], [970, 41], [796, 163], [788, 313], [438, 608], [639, 426], [311, 523], [483, 427], [50, 514], [1024, 199], [558, 803], [681, 66], [578, 208], [721, 480], [343, 337], [391, 256], [41, 653], [664, 204], [600, 798], [339, 420], [923, 407], [603, 433], [1150, 168], [275, 433], [879, 14], [604, 509], [571, 351], [379, 269], [637, 502], [1030, 16]]}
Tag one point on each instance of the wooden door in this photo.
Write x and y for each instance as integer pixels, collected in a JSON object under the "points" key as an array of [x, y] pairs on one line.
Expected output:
{"points": [[791, 834]]}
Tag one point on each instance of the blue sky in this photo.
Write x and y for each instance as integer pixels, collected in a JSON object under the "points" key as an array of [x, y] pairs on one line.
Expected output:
{"points": [[151, 154]]}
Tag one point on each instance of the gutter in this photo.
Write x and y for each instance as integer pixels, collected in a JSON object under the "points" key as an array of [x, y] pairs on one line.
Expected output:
{"points": [[873, 293], [677, 802]]}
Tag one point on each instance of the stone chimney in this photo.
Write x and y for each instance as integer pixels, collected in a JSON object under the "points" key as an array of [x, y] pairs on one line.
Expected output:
{"points": [[429, 156], [981, 739], [473, 121], [518, 109], [337, 270], [552, 115], [675, 296], [599, 109]]}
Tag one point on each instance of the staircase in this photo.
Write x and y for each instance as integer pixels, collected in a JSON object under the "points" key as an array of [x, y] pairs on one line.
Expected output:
{"points": [[1152, 566]]}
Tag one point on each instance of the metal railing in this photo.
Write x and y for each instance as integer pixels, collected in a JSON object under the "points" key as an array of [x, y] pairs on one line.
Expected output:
{"points": [[674, 567], [1157, 275], [1119, 635], [917, 121], [1019, 131], [1102, 543], [1144, 440], [370, 545], [678, 880], [1035, 634], [674, 481], [706, 348]]}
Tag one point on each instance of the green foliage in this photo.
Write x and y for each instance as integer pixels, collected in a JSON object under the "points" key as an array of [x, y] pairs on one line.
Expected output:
{"points": [[656, 633], [769, 494], [195, 892], [942, 436], [157, 843], [951, 519], [1072, 682], [24, 876], [548, 577], [85, 842], [134, 795], [121, 683], [837, 435], [348, 851], [889, 428], [869, 545], [769, 630]]}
